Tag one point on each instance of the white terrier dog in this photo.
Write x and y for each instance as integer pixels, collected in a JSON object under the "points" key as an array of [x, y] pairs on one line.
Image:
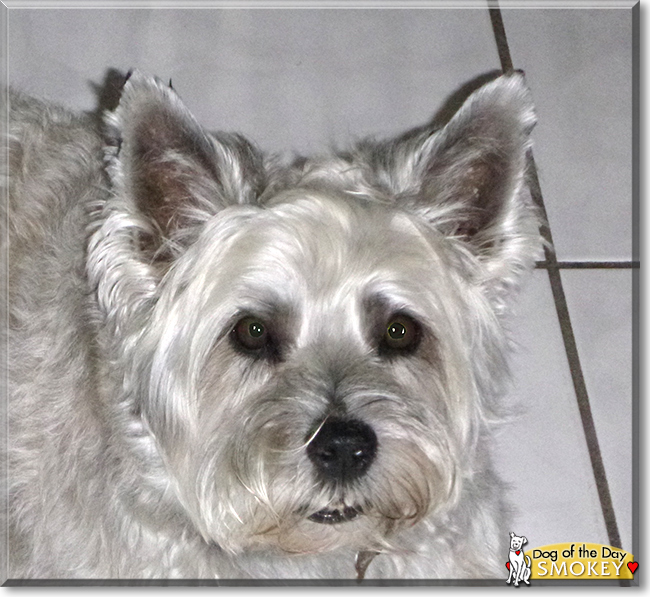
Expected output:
{"points": [[519, 564], [225, 367]]}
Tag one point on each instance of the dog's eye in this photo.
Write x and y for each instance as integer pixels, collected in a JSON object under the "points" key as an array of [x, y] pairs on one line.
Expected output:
{"points": [[251, 333], [402, 333]]}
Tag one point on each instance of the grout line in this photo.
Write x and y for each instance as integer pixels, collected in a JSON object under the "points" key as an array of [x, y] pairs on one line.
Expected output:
{"points": [[552, 265], [588, 265], [500, 36]]}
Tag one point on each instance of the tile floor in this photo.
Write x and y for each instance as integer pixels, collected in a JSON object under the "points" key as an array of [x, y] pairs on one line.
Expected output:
{"points": [[303, 79], [578, 64]]}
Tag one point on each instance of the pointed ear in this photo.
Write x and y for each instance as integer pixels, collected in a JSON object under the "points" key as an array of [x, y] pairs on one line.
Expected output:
{"points": [[169, 170], [475, 164], [468, 179]]}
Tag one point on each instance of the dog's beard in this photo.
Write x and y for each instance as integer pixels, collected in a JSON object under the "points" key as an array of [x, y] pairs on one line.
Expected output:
{"points": [[247, 480], [260, 489]]}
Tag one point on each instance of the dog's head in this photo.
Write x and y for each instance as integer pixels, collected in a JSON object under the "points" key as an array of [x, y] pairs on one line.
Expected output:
{"points": [[517, 542], [312, 350]]}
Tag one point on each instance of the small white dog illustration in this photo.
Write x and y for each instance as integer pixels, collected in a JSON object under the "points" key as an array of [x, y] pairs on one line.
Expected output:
{"points": [[519, 563]]}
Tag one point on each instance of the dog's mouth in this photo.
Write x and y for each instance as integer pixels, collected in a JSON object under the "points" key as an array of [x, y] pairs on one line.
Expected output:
{"points": [[336, 515]]}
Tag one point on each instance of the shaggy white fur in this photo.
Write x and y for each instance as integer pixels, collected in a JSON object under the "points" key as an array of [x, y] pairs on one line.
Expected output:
{"points": [[222, 366]]}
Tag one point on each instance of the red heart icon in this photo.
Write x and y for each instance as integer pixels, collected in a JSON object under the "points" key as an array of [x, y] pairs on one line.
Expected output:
{"points": [[518, 551], [631, 565], [508, 565]]}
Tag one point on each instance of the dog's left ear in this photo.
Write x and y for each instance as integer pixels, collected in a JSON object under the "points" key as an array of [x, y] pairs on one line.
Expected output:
{"points": [[468, 178]]}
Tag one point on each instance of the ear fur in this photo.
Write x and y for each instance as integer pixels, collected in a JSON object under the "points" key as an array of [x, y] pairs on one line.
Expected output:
{"points": [[468, 178], [174, 174], [476, 164]]}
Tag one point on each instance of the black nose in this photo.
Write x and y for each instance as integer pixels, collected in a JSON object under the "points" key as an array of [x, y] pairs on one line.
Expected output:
{"points": [[343, 450]]}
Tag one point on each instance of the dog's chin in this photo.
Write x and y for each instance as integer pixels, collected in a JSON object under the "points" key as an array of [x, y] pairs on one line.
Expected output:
{"points": [[322, 531], [330, 529]]}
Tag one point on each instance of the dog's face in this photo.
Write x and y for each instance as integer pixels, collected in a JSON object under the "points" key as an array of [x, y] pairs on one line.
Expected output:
{"points": [[312, 351], [517, 542], [332, 363]]}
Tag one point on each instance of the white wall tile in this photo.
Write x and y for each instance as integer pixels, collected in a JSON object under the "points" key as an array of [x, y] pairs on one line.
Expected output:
{"points": [[600, 303], [579, 66], [290, 79], [543, 453]]}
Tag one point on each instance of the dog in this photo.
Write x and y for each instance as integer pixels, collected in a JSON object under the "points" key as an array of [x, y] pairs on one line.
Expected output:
{"points": [[228, 365], [519, 563]]}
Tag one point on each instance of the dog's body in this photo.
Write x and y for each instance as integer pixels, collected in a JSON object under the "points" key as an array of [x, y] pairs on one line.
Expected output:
{"points": [[519, 562], [220, 367]]}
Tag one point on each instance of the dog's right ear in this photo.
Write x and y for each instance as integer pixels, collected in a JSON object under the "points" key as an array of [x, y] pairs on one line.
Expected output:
{"points": [[171, 172]]}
